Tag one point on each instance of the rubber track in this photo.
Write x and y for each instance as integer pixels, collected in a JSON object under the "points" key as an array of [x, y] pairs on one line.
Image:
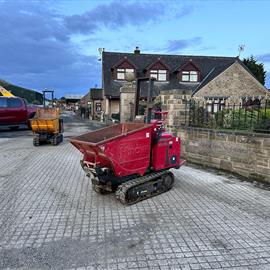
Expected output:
{"points": [[123, 188], [36, 141]]}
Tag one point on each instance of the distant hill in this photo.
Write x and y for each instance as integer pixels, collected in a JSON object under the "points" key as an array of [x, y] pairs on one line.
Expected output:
{"points": [[30, 95]]}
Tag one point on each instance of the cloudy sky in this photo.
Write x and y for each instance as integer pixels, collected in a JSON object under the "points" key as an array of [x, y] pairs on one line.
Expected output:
{"points": [[54, 43]]}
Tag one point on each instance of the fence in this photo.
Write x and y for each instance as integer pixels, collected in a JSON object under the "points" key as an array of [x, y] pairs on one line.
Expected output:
{"points": [[253, 117]]}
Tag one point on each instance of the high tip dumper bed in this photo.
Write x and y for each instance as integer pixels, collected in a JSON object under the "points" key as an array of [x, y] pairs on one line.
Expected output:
{"points": [[132, 158], [47, 126]]}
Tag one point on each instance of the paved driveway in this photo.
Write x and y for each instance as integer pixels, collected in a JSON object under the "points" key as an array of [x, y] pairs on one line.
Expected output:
{"points": [[51, 219]]}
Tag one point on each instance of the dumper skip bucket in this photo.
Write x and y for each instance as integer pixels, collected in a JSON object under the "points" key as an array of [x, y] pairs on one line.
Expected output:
{"points": [[123, 148]]}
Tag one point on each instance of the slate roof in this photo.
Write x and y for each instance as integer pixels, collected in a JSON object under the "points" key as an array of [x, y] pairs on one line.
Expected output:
{"points": [[210, 67], [85, 99], [96, 93]]}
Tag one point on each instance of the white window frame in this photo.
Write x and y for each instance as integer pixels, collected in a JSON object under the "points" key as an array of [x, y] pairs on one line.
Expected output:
{"points": [[215, 104], [98, 106], [158, 73], [189, 76], [122, 72]]}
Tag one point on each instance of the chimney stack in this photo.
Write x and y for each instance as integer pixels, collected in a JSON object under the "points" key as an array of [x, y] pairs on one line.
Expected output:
{"points": [[137, 50]]}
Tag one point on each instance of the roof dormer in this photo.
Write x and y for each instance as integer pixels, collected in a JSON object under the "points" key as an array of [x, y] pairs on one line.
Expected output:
{"points": [[158, 70], [122, 67], [189, 72]]}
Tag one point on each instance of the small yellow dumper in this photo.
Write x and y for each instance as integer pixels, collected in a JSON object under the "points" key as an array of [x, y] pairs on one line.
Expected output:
{"points": [[47, 126]]}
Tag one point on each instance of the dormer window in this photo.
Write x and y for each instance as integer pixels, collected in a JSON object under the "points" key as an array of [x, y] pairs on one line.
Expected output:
{"points": [[159, 74], [158, 70], [189, 72], [121, 73], [190, 76], [121, 68]]}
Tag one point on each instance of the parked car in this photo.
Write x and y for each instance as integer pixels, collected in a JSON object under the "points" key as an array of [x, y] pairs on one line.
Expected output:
{"points": [[14, 112]]}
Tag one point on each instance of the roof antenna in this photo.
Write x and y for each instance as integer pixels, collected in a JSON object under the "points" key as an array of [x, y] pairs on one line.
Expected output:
{"points": [[100, 50], [241, 48]]}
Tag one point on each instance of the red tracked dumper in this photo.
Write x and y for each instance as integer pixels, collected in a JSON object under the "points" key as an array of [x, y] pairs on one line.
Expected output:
{"points": [[132, 159]]}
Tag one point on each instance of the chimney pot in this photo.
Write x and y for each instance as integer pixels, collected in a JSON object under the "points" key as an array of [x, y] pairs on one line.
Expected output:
{"points": [[137, 50]]}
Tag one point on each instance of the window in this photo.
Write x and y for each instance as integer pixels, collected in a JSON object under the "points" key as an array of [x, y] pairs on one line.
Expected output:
{"points": [[14, 103], [3, 102], [251, 102], [98, 107], [189, 76], [215, 105], [121, 73], [159, 74]]}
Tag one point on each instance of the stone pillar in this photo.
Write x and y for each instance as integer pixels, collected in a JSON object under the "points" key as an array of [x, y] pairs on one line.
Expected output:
{"points": [[177, 104], [107, 106], [127, 100]]}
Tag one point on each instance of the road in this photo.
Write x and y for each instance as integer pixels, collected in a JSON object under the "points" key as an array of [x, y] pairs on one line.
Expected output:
{"points": [[51, 219]]}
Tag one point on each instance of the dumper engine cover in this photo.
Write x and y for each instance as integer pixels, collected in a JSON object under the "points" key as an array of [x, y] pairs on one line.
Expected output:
{"points": [[166, 152]]}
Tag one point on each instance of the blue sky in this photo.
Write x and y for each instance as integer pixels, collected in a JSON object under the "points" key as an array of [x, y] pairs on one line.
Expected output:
{"points": [[54, 44]]}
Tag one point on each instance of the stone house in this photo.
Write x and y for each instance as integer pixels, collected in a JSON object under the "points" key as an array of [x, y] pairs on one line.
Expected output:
{"points": [[93, 101], [214, 80]]}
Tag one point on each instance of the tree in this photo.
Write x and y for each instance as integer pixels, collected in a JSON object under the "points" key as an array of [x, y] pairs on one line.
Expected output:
{"points": [[257, 69]]}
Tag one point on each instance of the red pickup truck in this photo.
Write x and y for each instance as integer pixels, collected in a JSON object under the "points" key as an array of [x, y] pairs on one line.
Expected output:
{"points": [[14, 111]]}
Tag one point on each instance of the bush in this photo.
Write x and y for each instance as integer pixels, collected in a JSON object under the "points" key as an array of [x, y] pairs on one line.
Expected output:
{"points": [[263, 124], [238, 119]]}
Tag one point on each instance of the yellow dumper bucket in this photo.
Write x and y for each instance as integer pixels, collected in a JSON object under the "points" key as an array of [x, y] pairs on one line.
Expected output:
{"points": [[46, 120]]}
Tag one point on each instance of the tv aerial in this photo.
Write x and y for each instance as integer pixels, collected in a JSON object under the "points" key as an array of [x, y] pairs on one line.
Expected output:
{"points": [[241, 48]]}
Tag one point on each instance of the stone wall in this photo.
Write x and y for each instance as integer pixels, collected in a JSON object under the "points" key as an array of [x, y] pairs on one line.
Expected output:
{"points": [[127, 99], [110, 106], [175, 103], [245, 154], [115, 106]]}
